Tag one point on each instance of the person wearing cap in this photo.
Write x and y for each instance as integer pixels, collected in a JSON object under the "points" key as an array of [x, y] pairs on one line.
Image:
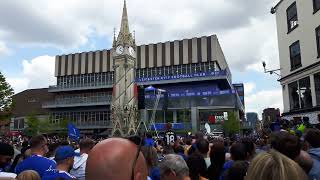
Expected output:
{"points": [[6, 155], [37, 161], [64, 158]]}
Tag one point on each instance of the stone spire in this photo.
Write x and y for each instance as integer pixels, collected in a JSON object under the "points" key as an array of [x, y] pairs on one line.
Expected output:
{"points": [[125, 36], [124, 29]]}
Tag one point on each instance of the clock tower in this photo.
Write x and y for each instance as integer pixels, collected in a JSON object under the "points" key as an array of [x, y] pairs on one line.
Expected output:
{"points": [[124, 94]]}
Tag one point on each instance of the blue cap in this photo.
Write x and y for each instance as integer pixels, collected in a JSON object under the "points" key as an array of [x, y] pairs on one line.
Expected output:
{"points": [[64, 152]]}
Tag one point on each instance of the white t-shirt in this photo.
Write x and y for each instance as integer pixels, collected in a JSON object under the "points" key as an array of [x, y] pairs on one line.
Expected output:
{"points": [[7, 175], [79, 167]]}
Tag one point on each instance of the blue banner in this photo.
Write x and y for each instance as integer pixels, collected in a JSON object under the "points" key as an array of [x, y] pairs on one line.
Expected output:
{"points": [[189, 94], [175, 126], [73, 132], [183, 76]]}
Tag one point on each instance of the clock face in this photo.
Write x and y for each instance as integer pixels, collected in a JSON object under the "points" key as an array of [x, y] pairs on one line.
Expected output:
{"points": [[131, 51], [119, 49]]}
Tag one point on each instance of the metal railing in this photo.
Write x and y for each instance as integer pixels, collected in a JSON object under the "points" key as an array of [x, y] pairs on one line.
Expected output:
{"points": [[93, 124], [78, 101], [71, 87]]}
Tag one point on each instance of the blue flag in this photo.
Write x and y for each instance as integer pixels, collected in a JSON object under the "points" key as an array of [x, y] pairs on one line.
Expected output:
{"points": [[73, 132]]}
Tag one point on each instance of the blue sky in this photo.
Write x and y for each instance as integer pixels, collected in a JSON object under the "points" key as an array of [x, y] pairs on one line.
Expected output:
{"points": [[33, 32]]}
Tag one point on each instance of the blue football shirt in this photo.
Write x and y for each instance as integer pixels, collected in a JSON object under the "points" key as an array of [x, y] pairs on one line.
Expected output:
{"points": [[53, 174], [37, 163]]}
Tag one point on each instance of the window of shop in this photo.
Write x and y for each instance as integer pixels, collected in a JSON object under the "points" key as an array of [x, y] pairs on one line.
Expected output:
{"points": [[295, 55], [294, 95], [316, 5], [305, 92], [300, 94], [292, 17], [16, 124], [318, 39], [317, 87], [183, 116]]}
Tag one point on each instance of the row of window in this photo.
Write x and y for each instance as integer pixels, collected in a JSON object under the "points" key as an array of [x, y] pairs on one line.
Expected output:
{"points": [[300, 95], [171, 116], [102, 79], [85, 80], [98, 118], [292, 14], [94, 95], [295, 51]]}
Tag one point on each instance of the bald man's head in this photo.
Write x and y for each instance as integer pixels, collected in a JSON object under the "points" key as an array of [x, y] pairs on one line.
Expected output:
{"points": [[113, 159]]}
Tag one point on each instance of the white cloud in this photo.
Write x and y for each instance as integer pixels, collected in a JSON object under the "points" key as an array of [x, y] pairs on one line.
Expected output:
{"points": [[245, 28], [249, 87], [18, 84], [256, 102], [36, 73], [245, 48], [4, 50]]}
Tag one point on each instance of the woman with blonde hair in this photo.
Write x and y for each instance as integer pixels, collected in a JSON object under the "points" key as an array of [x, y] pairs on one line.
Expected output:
{"points": [[28, 175], [274, 166]]}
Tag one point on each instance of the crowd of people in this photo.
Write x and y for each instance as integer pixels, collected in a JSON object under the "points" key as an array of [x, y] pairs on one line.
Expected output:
{"points": [[279, 155]]}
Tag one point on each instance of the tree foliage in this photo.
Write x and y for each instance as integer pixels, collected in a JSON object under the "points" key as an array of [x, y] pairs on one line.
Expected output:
{"points": [[6, 93], [36, 126], [63, 127], [232, 125]]}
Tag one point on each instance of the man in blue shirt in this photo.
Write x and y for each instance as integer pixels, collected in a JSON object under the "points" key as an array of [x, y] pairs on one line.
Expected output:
{"points": [[64, 158], [37, 161]]}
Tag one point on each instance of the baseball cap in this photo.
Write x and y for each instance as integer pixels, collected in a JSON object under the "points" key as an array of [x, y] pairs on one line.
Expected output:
{"points": [[65, 152]]}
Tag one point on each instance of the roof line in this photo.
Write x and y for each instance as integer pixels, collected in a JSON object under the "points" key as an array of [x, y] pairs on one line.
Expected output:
{"points": [[273, 9], [142, 44]]}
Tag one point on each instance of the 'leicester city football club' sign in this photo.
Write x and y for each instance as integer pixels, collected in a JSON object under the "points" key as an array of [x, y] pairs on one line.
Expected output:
{"points": [[183, 76]]}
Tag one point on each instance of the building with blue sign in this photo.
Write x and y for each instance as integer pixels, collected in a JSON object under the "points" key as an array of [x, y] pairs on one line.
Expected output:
{"points": [[193, 72]]}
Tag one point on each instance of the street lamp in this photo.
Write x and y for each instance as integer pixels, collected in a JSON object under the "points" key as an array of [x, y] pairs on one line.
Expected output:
{"points": [[274, 71]]}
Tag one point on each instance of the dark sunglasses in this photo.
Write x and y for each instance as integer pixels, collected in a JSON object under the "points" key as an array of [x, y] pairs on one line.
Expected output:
{"points": [[136, 158]]}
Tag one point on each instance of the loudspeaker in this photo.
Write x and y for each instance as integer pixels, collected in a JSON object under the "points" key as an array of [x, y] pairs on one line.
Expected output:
{"points": [[141, 103]]}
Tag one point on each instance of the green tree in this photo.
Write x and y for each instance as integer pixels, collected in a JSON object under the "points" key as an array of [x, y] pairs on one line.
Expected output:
{"points": [[232, 125], [6, 93], [33, 124], [36, 126], [63, 127]]}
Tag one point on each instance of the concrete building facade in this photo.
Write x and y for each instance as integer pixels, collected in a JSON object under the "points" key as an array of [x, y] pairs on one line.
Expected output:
{"points": [[298, 27]]}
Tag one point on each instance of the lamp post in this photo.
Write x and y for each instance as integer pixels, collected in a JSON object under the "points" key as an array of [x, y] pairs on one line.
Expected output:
{"points": [[274, 71]]}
